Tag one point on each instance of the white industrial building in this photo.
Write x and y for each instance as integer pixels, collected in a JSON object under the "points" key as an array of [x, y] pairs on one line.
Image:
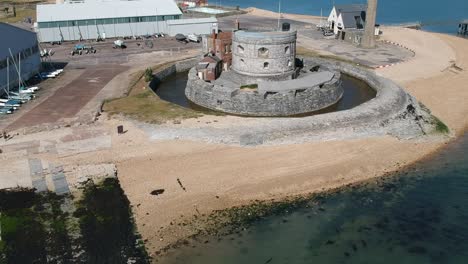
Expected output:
{"points": [[19, 53], [93, 19]]}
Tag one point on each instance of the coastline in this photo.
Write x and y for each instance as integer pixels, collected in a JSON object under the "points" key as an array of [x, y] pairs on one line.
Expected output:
{"points": [[217, 176], [285, 178]]}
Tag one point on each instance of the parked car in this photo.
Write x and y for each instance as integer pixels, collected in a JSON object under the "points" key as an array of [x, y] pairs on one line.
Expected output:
{"points": [[80, 48]]}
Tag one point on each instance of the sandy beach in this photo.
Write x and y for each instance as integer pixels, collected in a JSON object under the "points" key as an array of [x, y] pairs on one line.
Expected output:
{"points": [[218, 176]]}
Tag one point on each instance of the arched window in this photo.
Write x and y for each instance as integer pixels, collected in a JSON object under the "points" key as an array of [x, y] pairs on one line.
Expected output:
{"points": [[240, 49], [266, 65], [287, 50], [263, 52]]}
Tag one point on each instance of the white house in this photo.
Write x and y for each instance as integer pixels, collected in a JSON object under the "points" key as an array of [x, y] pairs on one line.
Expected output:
{"points": [[347, 16]]}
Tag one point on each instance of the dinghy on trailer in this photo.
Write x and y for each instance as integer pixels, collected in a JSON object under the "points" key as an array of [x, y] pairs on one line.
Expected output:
{"points": [[19, 98], [11, 101], [15, 107], [6, 110]]}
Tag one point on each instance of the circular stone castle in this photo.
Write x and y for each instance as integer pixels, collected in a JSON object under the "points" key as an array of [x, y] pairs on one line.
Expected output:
{"points": [[265, 78], [264, 54]]}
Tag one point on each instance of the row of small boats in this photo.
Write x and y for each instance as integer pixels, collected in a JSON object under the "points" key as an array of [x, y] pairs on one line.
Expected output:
{"points": [[13, 100]]}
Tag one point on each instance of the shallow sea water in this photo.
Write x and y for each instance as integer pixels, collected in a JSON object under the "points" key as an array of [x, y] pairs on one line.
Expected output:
{"points": [[416, 216], [436, 15]]}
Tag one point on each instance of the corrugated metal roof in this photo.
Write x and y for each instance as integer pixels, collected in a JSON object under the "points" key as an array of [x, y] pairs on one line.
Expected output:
{"points": [[192, 21], [97, 9]]}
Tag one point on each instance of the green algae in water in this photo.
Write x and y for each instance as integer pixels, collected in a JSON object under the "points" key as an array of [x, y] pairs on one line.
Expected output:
{"points": [[416, 216], [32, 227], [47, 228], [107, 225]]}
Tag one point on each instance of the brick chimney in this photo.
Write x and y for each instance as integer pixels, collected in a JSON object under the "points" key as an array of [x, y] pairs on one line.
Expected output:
{"points": [[213, 37]]}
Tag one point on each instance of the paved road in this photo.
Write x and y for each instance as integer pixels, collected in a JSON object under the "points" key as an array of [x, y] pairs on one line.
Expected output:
{"points": [[310, 38], [67, 101]]}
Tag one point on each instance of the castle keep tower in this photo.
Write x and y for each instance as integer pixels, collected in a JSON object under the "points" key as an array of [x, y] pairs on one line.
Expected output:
{"points": [[264, 54], [264, 79]]}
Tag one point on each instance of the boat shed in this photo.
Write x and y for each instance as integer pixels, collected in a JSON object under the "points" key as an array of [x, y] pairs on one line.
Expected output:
{"points": [[94, 19], [19, 56]]}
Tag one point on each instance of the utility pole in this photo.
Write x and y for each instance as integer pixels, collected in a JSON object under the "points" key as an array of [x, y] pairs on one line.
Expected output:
{"points": [[368, 40]]}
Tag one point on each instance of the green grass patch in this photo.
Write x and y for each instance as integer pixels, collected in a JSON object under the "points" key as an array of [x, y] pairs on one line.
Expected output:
{"points": [[440, 127], [21, 14], [149, 108], [144, 105], [249, 86]]}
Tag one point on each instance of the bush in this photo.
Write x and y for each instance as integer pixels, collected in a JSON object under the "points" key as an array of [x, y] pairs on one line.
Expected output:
{"points": [[440, 126], [249, 86], [148, 75]]}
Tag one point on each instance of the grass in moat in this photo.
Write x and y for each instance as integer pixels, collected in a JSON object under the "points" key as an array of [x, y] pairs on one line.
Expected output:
{"points": [[144, 105]]}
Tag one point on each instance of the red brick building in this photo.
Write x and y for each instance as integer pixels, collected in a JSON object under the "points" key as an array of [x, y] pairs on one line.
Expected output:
{"points": [[209, 68], [220, 44]]}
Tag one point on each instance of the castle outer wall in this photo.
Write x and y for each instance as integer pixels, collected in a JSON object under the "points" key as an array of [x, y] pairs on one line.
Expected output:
{"points": [[263, 101]]}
